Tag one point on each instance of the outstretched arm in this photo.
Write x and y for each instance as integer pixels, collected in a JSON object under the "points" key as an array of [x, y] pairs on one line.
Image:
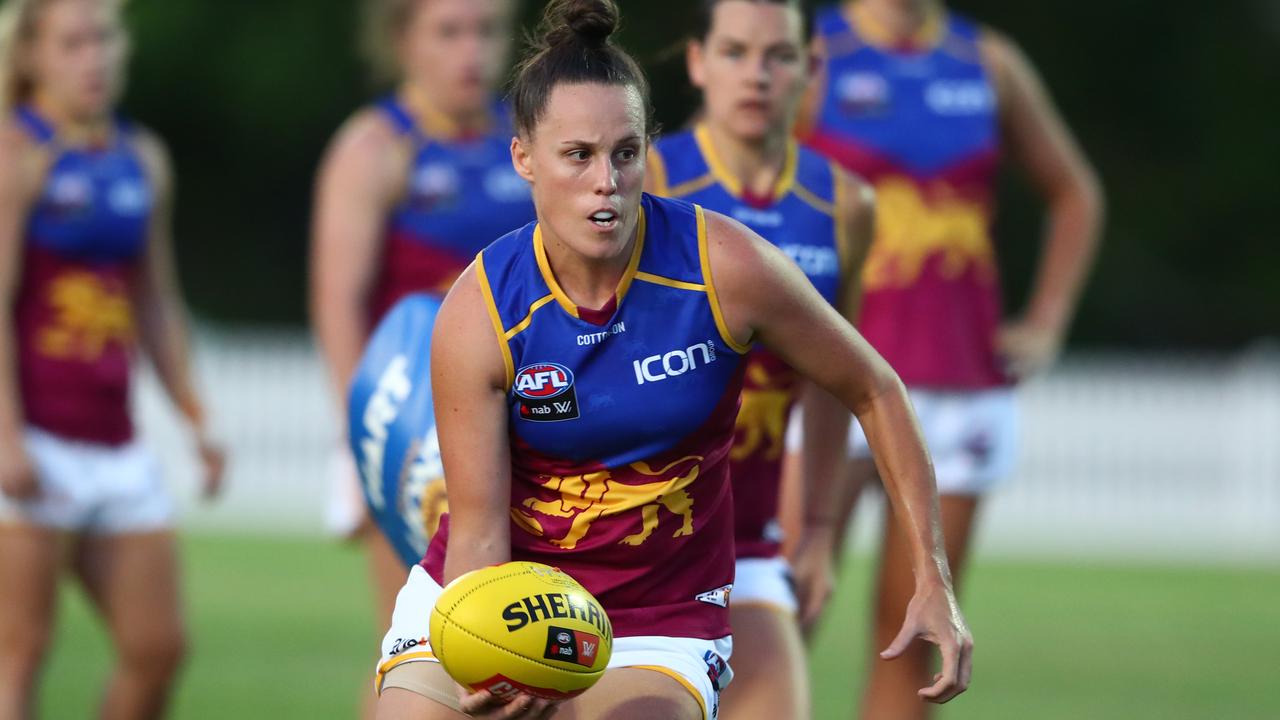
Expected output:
{"points": [[766, 298], [1041, 142]]}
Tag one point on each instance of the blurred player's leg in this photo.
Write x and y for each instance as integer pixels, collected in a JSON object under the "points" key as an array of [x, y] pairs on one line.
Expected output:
{"points": [[30, 558], [891, 689], [387, 574], [133, 580], [770, 675]]}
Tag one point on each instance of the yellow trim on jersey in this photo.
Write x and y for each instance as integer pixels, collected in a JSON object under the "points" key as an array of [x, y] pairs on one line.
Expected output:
{"points": [[492, 306], [689, 187], [678, 284], [528, 319], [634, 265], [388, 666], [927, 36], [817, 203], [844, 247], [544, 266], [658, 169], [786, 179], [712, 298], [695, 692], [549, 277]]}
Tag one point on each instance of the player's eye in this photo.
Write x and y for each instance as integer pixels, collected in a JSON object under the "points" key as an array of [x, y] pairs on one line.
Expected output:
{"points": [[579, 155], [627, 154]]}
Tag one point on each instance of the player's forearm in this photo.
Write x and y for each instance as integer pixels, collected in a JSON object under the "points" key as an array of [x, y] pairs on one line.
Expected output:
{"points": [[1070, 245], [11, 421], [166, 340], [902, 460], [341, 330], [474, 546], [826, 428]]}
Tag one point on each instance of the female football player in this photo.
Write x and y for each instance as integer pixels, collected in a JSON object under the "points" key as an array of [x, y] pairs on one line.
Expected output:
{"points": [[751, 61], [923, 103], [87, 280], [587, 370]]}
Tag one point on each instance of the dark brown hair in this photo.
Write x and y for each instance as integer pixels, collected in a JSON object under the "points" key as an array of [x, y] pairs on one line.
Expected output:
{"points": [[573, 44]]}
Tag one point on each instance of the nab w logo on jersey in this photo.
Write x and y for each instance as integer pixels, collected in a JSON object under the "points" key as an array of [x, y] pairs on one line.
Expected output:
{"points": [[545, 393]]}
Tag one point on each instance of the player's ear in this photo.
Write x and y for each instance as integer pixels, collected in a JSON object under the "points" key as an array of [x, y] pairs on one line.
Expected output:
{"points": [[694, 56], [520, 158]]}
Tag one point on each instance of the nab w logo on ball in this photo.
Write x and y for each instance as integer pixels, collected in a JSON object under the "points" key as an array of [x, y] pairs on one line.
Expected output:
{"points": [[544, 393]]}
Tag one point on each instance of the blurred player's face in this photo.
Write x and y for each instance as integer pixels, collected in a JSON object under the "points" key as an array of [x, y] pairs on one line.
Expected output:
{"points": [[456, 50], [585, 160], [751, 67], [76, 57]]}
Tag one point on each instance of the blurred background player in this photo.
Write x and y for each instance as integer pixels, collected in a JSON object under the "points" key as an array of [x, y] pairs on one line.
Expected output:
{"points": [[923, 103], [87, 278], [410, 190], [751, 61], [587, 371]]}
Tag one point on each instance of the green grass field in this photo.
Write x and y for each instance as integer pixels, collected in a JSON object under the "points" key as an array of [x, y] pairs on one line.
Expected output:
{"points": [[281, 629]]}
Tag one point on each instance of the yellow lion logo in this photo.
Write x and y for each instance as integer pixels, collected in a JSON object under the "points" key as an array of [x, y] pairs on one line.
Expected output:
{"points": [[88, 316], [592, 496], [910, 230]]}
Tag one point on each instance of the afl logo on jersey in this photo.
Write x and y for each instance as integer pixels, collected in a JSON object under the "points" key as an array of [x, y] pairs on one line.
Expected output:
{"points": [[544, 393], [862, 93]]}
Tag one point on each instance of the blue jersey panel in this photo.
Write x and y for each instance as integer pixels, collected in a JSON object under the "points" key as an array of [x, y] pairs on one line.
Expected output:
{"points": [[638, 384], [924, 109], [96, 203], [799, 218]]}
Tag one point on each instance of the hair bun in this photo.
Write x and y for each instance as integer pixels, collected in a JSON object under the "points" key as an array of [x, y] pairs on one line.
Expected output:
{"points": [[588, 23]]}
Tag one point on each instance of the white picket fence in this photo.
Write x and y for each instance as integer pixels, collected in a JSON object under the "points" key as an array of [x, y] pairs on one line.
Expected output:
{"points": [[1123, 456]]}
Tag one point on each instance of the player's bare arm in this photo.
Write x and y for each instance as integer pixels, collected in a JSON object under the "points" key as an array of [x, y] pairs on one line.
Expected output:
{"points": [[469, 381], [767, 299], [20, 170], [162, 324], [360, 179], [1043, 146]]}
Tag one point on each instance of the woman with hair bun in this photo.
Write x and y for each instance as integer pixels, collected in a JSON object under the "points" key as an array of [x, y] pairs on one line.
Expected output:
{"points": [[647, 306]]}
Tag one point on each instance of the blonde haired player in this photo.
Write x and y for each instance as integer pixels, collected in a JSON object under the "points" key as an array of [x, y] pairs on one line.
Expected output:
{"points": [[586, 372], [923, 103], [750, 60], [87, 280]]}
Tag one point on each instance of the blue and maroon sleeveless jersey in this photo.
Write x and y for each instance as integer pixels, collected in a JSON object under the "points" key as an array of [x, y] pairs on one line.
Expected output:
{"points": [[919, 122], [462, 194], [74, 317], [799, 218], [621, 423]]}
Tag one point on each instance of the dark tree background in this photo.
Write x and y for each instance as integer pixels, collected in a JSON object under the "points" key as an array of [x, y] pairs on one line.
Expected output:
{"points": [[1178, 105]]}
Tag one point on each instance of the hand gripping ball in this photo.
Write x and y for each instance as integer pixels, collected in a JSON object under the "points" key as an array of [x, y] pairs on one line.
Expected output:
{"points": [[521, 626]]}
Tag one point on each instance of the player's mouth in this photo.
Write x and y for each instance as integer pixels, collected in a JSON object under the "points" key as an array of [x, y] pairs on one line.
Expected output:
{"points": [[755, 106], [604, 219]]}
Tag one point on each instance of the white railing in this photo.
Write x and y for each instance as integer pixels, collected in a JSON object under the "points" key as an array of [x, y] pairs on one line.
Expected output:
{"points": [[1123, 455]]}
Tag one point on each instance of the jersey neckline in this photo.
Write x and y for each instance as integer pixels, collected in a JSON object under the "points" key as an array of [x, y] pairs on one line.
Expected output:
{"points": [[733, 185], [926, 38], [593, 316]]}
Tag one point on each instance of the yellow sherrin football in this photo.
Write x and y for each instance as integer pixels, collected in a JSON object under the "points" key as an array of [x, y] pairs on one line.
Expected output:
{"points": [[521, 626]]}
